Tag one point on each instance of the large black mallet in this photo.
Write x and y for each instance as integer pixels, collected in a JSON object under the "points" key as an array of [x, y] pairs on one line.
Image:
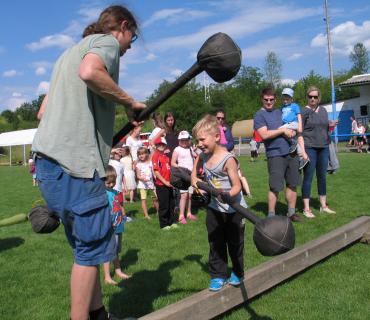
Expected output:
{"points": [[219, 56], [272, 235]]}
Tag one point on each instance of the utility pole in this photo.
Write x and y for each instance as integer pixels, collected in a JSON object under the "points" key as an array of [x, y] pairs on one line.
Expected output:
{"points": [[333, 102], [207, 96]]}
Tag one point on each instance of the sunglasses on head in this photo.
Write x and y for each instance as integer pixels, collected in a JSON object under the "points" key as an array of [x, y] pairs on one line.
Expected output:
{"points": [[313, 97], [267, 100], [220, 118]]}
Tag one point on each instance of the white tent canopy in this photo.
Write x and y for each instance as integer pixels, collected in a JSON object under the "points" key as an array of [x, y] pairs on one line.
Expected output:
{"points": [[16, 138]]}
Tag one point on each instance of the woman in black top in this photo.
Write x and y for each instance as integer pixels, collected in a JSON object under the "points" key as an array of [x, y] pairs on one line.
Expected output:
{"points": [[171, 133], [316, 140]]}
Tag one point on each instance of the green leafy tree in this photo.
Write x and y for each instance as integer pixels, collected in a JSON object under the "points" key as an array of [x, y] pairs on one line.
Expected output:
{"points": [[273, 67], [28, 110], [360, 58]]}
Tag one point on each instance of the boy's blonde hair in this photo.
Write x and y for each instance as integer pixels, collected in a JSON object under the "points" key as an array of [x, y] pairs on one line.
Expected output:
{"points": [[143, 150], [208, 124], [110, 173]]}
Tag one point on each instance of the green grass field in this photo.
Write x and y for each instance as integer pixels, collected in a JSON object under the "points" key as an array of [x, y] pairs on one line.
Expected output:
{"points": [[167, 266]]}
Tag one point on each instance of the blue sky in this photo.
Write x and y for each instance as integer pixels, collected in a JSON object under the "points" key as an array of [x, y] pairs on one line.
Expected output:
{"points": [[33, 34]]}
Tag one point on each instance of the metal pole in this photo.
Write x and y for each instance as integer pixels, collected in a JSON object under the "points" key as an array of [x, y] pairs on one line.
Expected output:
{"points": [[331, 73]]}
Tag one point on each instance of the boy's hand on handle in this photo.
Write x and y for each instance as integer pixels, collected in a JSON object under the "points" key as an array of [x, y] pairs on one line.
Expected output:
{"points": [[219, 197], [194, 181]]}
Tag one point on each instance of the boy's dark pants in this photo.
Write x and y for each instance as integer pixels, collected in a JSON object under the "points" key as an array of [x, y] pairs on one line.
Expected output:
{"points": [[166, 202], [225, 231]]}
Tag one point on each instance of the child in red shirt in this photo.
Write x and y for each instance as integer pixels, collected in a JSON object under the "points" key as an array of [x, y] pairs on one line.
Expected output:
{"points": [[162, 173]]}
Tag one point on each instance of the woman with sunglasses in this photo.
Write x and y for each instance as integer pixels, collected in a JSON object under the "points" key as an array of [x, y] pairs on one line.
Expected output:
{"points": [[227, 139], [315, 133]]}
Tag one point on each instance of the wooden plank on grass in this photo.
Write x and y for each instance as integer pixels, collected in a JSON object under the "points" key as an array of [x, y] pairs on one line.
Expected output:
{"points": [[207, 304]]}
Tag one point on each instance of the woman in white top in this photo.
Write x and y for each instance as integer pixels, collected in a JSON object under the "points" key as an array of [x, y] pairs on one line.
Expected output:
{"points": [[360, 139], [157, 121], [134, 142]]}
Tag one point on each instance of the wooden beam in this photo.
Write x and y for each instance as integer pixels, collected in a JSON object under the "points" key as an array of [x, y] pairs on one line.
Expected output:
{"points": [[207, 304]]}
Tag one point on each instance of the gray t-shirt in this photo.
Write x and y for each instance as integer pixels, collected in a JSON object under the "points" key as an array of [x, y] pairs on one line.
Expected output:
{"points": [[315, 127], [217, 178], [77, 126]]}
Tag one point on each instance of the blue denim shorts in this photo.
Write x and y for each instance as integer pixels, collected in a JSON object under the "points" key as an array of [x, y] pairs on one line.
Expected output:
{"points": [[83, 206]]}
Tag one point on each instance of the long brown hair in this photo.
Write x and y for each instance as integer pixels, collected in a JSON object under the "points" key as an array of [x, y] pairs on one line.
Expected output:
{"points": [[174, 127], [111, 19]]}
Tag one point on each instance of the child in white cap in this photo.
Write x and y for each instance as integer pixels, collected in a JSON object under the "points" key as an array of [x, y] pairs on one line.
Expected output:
{"points": [[33, 171], [291, 116], [183, 156]]}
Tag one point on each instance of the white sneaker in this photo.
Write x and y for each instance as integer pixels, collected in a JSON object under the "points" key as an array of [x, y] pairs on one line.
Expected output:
{"points": [[326, 209], [307, 213]]}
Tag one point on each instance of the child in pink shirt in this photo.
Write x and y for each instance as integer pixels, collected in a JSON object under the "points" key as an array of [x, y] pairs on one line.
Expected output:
{"points": [[183, 156]]}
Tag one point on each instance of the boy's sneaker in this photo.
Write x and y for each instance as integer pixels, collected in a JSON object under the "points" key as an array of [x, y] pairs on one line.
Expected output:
{"points": [[217, 283], [249, 195], [234, 280], [295, 218], [327, 210], [174, 226], [307, 213], [293, 144], [167, 228], [302, 162]]}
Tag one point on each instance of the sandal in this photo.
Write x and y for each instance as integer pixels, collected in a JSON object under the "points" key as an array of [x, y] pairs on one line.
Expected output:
{"points": [[182, 220], [190, 216]]}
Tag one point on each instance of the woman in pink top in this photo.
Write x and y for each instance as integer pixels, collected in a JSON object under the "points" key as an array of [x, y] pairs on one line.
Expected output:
{"points": [[227, 139], [183, 156]]}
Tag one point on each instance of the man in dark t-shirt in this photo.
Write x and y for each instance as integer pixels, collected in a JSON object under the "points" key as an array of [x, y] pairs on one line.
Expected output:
{"points": [[281, 164]]}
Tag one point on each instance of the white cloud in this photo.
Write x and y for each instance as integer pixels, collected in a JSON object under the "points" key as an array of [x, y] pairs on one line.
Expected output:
{"points": [[42, 64], [61, 41], [279, 45], [295, 56], [42, 88], [174, 16], [16, 94], [290, 82], [193, 55], [249, 19], [344, 37], [151, 57], [76, 27], [177, 73], [40, 71], [14, 103], [12, 73]]}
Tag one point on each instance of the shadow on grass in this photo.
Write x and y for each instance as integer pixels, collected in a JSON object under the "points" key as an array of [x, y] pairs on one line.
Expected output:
{"points": [[246, 305], [10, 243], [132, 213], [197, 258], [281, 208], [148, 286]]}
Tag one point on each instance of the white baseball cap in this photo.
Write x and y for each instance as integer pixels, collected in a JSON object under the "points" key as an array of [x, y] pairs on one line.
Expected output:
{"points": [[288, 92], [184, 135]]}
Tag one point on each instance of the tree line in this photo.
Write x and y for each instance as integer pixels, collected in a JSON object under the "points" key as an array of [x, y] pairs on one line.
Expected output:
{"points": [[240, 98]]}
